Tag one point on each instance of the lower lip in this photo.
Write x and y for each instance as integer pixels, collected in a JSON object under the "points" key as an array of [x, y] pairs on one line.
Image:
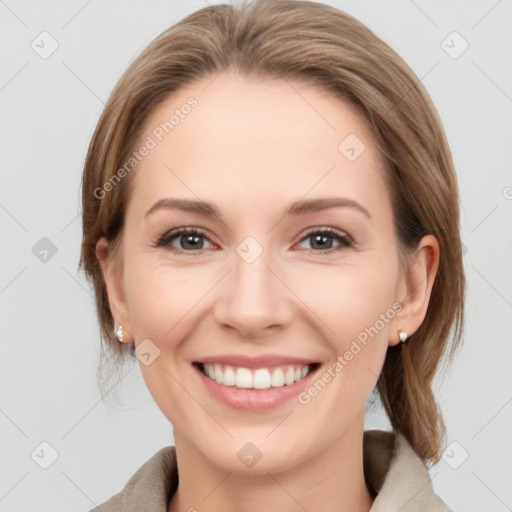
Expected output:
{"points": [[254, 399]]}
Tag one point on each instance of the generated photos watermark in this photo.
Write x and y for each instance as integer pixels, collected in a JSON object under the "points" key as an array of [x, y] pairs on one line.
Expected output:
{"points": [[150, 143], [356, 346]]}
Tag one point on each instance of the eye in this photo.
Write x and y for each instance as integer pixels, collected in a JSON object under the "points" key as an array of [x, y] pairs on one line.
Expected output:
{"points": [[188, 240], [322, 240], [191, 240]]}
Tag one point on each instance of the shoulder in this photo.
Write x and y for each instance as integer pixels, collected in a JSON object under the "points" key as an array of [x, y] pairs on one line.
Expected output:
{"points": [[149, 488], [398, 476]]}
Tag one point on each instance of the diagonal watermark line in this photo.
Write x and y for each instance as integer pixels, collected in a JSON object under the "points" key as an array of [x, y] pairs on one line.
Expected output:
{"points": [[286, 491], [488, 282], [13, 279], [506, 505], [306, 100], [220, 220], [83, 82], [76, 14], [501, 408], [216, 487], [197, 302], [14, 76], [374, 374], [14, 423], [429, 482], [88, 497], [380, 173], [301, 300], [411, 88], [14, 485], [13, 218], [77, 281], [199, 403], [280, 423], [485, 15], [424, 14], [492, 81], [492, 211], [213, 79], [304, 195], [13, 13], [70, 222], [100, 399]]}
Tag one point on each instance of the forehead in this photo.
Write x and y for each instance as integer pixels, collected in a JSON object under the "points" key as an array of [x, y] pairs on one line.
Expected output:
{"points": [[257, 140]]}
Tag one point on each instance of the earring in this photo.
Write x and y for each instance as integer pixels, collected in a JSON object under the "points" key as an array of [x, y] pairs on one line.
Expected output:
{"points": [[119, 334], [402, 335]]}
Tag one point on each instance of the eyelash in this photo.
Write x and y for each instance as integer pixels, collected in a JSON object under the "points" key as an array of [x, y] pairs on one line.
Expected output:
{"points": [[345, 240]]}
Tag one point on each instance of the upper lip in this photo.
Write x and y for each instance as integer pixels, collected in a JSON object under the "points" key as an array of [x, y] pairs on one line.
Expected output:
{"points": [[255, 362]]}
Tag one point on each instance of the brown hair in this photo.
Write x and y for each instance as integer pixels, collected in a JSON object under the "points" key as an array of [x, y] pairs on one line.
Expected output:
{"points": [[327, 47]]}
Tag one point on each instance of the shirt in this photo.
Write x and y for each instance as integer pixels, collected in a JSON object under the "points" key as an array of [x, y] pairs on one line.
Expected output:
{"points": [[395, 475]]}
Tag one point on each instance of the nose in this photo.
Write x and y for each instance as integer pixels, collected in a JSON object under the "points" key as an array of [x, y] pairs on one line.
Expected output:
{"points": [[255, 302]]}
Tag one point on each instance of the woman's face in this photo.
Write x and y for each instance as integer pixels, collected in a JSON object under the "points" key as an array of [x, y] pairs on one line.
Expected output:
{"points": [[272, 280]]}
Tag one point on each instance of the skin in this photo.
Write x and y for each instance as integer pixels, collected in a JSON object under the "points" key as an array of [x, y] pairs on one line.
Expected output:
{"points": [[252, 147]]}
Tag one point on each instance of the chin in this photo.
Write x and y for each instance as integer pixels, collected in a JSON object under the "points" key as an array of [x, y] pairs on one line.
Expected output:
{"points": [[252, 458]]}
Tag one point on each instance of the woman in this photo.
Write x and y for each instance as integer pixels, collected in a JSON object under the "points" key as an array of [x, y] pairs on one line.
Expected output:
{"points": [[270, 221]]}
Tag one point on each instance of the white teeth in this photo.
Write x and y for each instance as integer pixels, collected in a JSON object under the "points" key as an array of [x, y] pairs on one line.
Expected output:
{"points": [[229, 378], [262, 378], [277, 378], [217, 372], [289, 376], [243, 378]]}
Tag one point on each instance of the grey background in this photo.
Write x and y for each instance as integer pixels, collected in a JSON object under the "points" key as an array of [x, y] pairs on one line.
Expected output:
{"points": [[49, 335]]}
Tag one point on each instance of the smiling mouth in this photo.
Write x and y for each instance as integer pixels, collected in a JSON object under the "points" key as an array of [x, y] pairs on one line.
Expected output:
{"points": [[258, 378]]}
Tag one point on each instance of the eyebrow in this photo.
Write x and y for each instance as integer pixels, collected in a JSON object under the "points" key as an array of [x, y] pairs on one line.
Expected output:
{"points": [[301, 207]]}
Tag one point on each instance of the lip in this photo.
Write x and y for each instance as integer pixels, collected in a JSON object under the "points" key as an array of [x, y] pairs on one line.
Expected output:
{"points": [[254, 400]]}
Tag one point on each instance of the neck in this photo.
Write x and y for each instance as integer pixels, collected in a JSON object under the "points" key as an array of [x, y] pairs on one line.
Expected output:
{"points": [[332, 482]]}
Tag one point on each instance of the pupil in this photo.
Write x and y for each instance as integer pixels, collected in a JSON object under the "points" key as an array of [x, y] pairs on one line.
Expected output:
{"points": [[320, 237], [187, 238]]}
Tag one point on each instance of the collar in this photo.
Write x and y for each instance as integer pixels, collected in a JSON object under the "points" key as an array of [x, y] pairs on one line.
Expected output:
{"points": [[396, 476]]}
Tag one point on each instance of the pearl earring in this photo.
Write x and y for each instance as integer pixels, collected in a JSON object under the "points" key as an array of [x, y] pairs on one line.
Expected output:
{"points": [[119, 334], [402, 335]]}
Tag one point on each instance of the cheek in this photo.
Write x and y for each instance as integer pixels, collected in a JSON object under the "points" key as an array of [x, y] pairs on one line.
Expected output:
{"points": [[167, 300], [349, 299], [355, 311], [160, 299], [162, 302]]}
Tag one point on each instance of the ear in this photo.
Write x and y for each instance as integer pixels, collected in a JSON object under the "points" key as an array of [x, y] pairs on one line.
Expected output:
{"points": [[112, 271], [415, 287]]}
